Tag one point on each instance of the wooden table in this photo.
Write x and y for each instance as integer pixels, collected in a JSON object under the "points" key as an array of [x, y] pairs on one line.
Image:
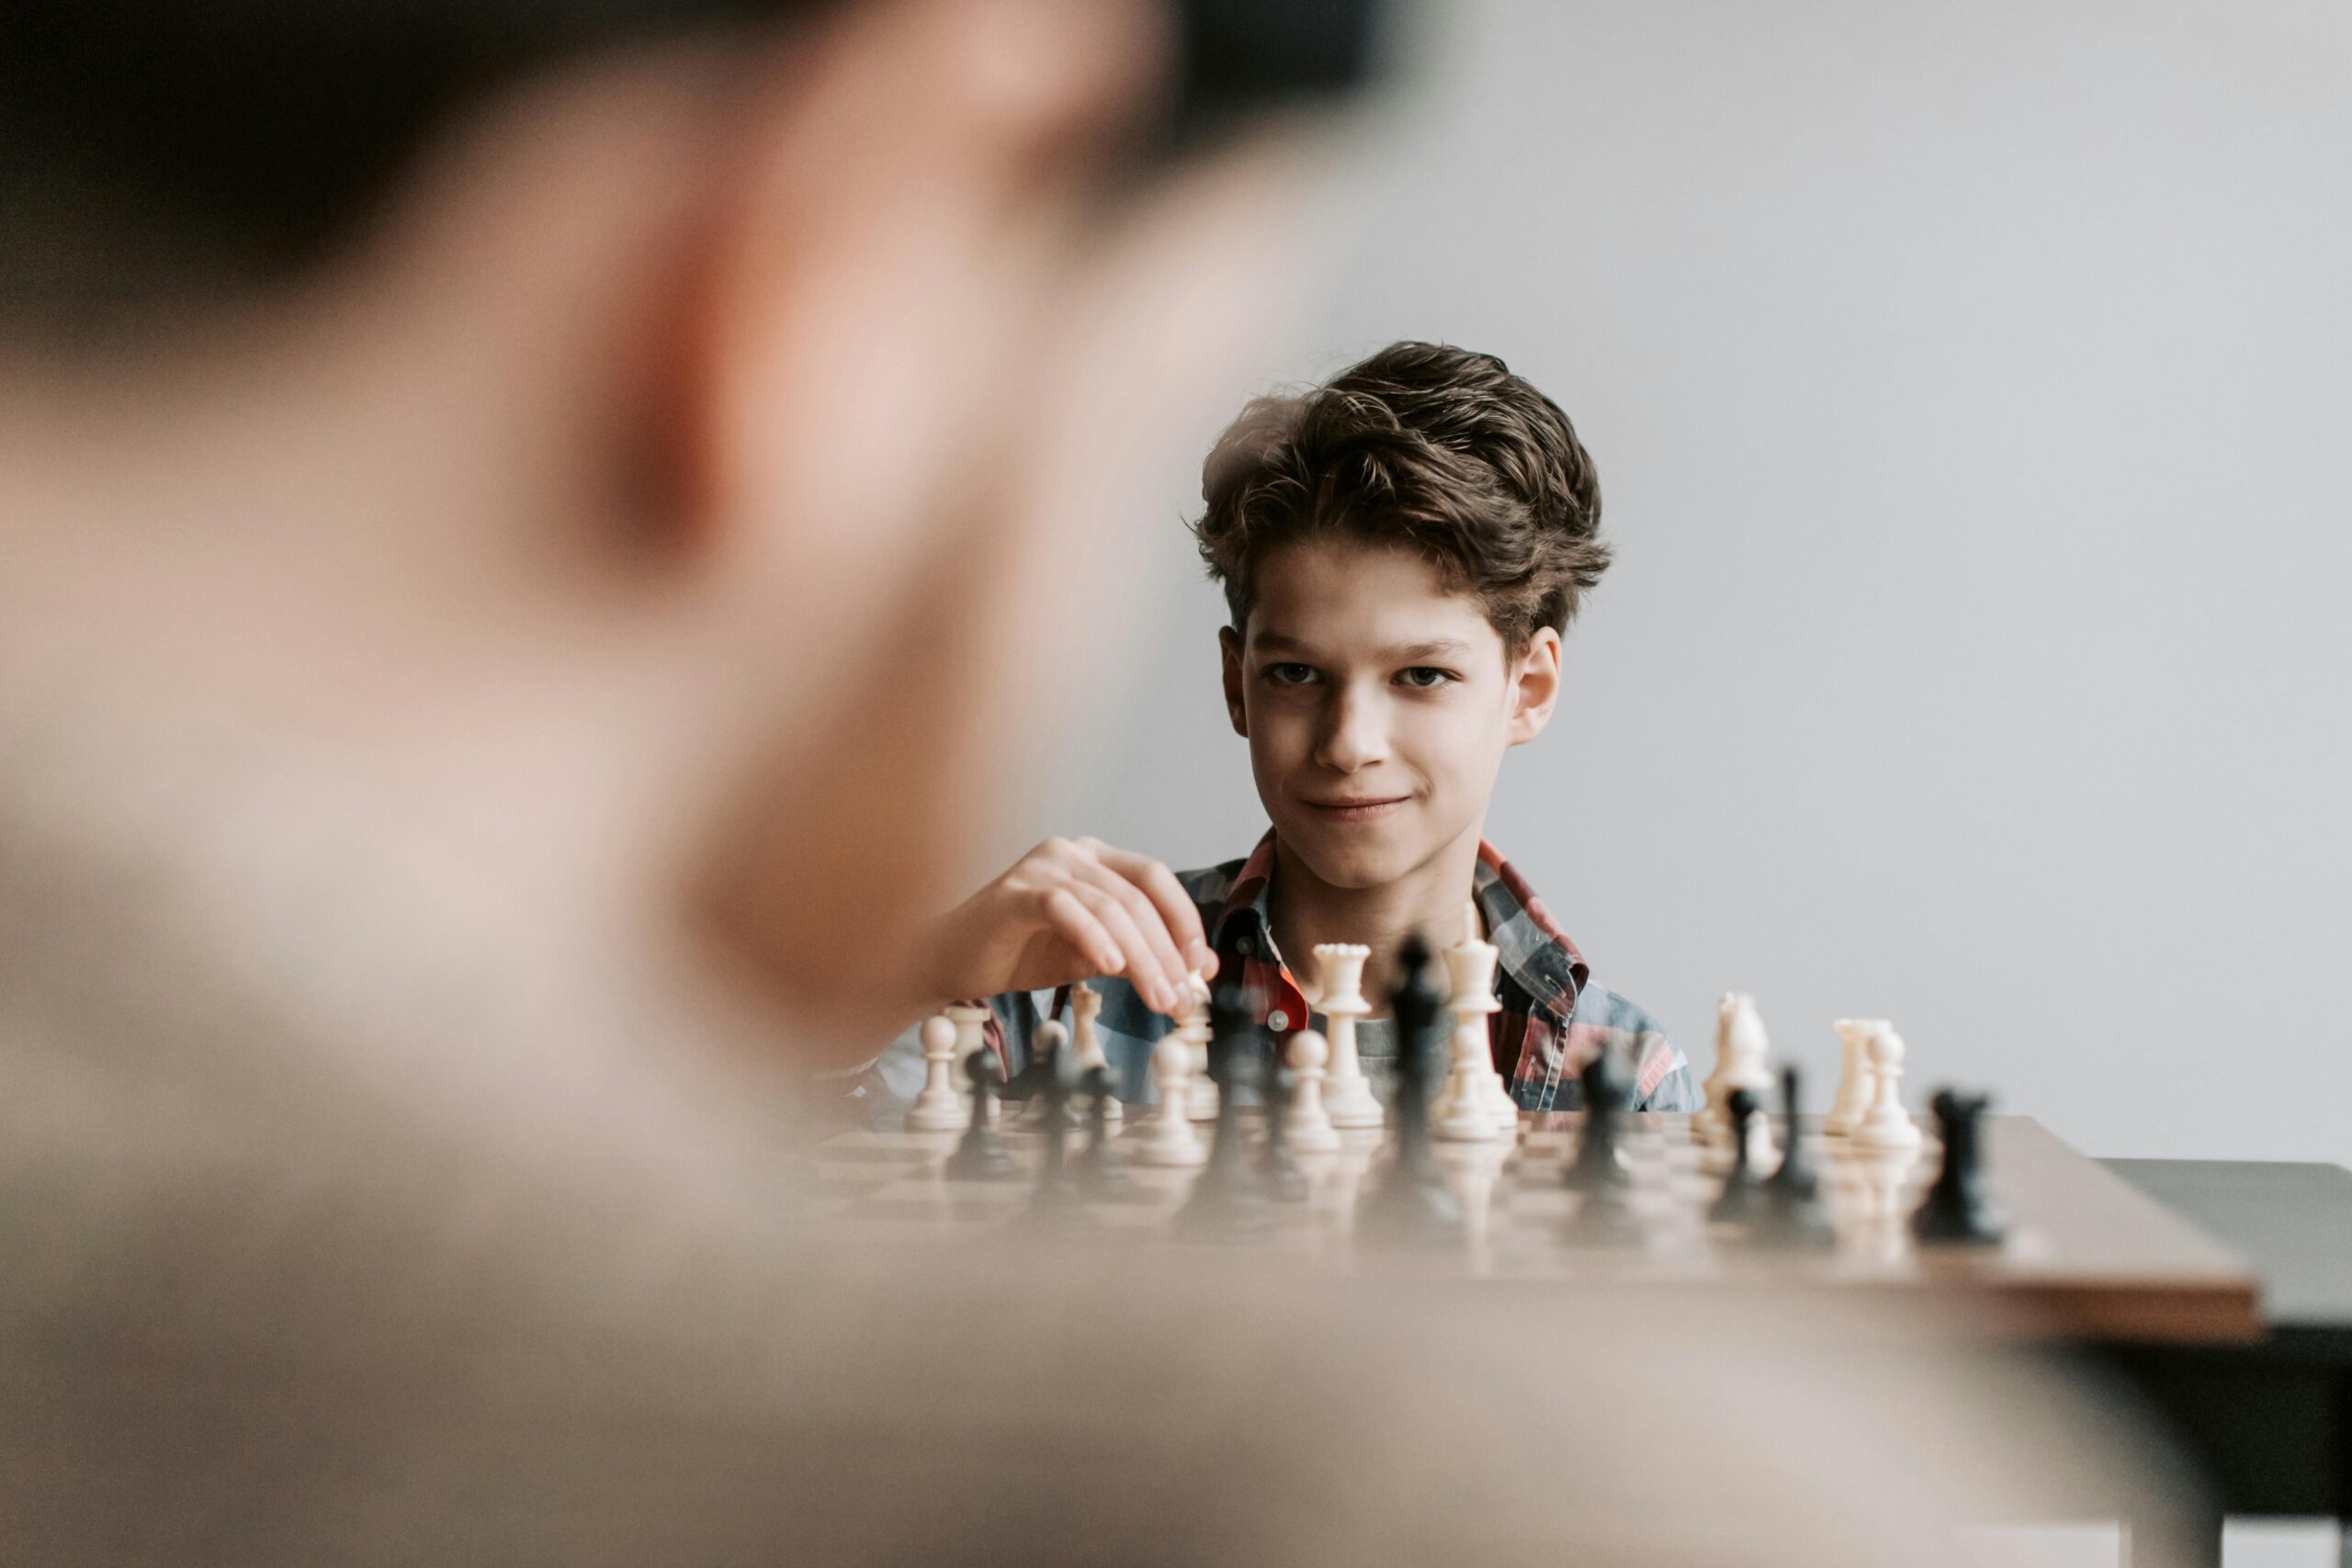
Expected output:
{"points": [[2090, 1256], [2221, 1291]]}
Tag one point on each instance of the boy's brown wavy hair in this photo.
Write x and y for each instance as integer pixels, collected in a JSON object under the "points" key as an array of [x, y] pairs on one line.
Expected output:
{"points": [[1432, 449]]}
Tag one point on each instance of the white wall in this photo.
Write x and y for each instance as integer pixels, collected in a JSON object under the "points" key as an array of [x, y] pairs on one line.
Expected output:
{"points": [[1972, 391]]}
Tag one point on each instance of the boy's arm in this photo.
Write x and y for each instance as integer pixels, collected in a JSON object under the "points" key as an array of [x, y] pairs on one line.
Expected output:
{"points": [[1069, 910]]}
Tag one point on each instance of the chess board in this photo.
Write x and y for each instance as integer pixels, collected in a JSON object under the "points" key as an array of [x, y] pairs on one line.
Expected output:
{"points": [[2086, 1255]]}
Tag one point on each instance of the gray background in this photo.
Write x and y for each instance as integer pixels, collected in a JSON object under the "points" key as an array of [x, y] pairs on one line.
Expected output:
{"points": [[1970, 392]]}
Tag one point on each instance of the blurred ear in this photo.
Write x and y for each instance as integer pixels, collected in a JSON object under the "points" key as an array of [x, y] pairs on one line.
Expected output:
{"points": [[937, 360], [1534, 686], [891, 187], [1228, 642]]}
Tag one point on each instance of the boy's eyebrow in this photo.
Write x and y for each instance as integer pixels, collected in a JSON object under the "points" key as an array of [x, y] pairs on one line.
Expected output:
{"points": [[1413, 652], [1403, 653]]}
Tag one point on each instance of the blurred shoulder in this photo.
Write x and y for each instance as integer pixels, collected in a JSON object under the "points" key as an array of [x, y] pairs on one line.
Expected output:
{"points": [[1662, 1076]]}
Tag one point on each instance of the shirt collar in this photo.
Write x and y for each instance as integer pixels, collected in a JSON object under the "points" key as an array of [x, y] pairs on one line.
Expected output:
{"points": [[1535, 954]]}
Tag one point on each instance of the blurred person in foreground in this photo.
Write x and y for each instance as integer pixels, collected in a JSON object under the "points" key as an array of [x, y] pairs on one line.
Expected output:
{"points": [[509, 521]]}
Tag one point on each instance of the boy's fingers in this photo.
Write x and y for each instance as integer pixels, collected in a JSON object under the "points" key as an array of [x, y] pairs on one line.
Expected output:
{"points": [[1177, 911], [1143, 966], [1069, 915], [1146, 917]]}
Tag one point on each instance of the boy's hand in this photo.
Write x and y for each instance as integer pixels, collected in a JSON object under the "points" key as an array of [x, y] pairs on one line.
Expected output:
{"points": [[1069, 910]]}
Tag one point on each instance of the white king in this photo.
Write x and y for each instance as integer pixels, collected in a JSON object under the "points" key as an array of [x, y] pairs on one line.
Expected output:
{"points": [[1347, 1092], [1474, 1106]]}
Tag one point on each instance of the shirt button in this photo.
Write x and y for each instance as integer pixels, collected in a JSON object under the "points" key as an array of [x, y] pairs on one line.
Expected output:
{"points": [[1278, 1021], [1246, 947]]}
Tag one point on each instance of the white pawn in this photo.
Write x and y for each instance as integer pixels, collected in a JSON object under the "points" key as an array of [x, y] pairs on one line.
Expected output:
{"points": [[939, 1108], [1085, 1007], [1193, 1029], [1887, 1125], [1853, 1099], [1167, 1135], [1348, 1096], [971, 1021], [1308, 1126]]}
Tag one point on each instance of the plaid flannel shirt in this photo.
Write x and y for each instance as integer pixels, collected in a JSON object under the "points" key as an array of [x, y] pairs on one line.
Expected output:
{"points": [[1553, 1019]]}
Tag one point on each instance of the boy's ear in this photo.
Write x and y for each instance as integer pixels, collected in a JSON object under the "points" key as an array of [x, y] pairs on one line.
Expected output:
{"points": [[1228, 642], [1534, 686]]}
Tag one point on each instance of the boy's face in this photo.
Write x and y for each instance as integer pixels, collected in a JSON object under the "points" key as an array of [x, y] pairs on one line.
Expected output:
{"points": [[1377, 706]]}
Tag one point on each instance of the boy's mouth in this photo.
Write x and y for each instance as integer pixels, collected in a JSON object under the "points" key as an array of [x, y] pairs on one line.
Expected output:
{"points": [[1356, 809]]}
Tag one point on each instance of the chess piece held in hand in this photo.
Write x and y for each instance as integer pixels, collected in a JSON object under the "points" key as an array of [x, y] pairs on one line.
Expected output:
{"points": [[1193, 1028]]}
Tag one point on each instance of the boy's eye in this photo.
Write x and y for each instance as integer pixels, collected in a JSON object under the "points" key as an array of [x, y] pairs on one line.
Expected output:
{"points": [[1424, 676], [1290, 674]]}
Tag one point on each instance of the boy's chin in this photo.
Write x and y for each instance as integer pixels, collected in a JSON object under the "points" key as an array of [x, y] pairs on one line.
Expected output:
{"points": [[1356, 867]]}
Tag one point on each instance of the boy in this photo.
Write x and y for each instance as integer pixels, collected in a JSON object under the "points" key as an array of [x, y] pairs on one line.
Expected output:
{"points": [[1401, 550]]}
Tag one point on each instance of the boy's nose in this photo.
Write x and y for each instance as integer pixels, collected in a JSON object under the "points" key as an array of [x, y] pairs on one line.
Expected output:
{"points": [[1354, 734]]}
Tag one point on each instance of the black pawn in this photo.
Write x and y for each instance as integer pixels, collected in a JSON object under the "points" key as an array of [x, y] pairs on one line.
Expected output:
{"points": [[1029, 1083], [1604, 1216], [981, 1155], [1057, 1192], [1958, 1211], [1102, 1169], [1608, 1095], [1742, 1198], [1283, 1179], [1412, 1202], [1228, 1199], [1794, 1215]]}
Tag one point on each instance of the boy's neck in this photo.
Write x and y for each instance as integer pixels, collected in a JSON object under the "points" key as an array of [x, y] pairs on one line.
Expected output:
{"points": [[1304, 911]]}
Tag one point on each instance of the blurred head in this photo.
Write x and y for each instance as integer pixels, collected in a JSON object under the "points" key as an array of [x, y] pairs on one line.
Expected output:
{"points": [[611, 432], [1401, 550]]}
